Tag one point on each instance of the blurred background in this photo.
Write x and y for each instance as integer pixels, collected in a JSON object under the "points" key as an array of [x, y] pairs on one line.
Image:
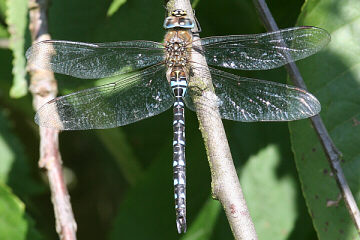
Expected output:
{"points": [[120, 180]]}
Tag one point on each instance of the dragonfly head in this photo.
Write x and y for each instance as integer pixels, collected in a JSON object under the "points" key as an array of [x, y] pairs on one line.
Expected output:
{"points": [[178, 13], [178, 19]]}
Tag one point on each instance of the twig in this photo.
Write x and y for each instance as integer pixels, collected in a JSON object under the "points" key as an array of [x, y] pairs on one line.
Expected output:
{"points": [[43, 87], [334, 156], [225, 182], [4, 43]]}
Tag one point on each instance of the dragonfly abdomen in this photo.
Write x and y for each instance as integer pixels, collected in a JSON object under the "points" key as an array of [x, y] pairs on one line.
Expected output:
{"points": [[178, 85]]}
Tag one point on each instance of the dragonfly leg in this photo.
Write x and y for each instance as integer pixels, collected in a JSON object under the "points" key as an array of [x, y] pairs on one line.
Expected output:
{"points": [[197, 25]]}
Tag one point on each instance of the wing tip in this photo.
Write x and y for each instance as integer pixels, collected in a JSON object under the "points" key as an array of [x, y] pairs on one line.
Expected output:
{"points": [[309, 106], [323, 35], [316, 105]]}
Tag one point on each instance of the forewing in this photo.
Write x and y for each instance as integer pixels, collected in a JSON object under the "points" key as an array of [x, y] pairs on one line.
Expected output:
{"points": [[94, 60], [251, 100], [135, 97], [266, 50]]}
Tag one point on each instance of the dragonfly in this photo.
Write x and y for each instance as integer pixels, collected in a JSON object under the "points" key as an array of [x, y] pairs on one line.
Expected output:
{"points": [[151, 77]]}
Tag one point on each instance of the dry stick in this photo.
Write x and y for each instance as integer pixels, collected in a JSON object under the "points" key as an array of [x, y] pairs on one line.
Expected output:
{"points": [[225, 182], [43, 87], [334, 156], [4, 43]]}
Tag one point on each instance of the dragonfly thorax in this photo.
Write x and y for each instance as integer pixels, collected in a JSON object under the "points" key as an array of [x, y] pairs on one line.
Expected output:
{"points": [[175, 47], [177, 52]]}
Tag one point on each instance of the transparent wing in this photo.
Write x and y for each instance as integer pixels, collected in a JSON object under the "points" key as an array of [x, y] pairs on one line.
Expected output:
{"points": [[130, 99], [266, 50], [94, 60], [251, 100]]}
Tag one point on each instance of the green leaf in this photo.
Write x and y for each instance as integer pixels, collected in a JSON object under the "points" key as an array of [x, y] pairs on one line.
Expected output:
{"points": [[115, 5], [7, 154], [3, 37], [195, 3], [14, 223], [203, 226], [275, 217], [14, 167], [3, 31], [141, 214], [16, 19], [2, 9], [114, 140], [333, 76]]}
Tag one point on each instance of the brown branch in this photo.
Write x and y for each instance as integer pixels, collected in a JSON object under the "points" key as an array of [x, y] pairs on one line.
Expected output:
{"points": [[225, 182], [4, 43], [43, 87], [333, 155]]}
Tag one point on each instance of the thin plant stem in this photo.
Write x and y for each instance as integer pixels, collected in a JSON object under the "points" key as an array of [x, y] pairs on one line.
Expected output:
{"points": [[43, 87]]}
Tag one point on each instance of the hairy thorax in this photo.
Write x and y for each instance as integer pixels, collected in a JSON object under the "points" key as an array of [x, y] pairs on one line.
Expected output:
{"points": [[177, 47]]}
